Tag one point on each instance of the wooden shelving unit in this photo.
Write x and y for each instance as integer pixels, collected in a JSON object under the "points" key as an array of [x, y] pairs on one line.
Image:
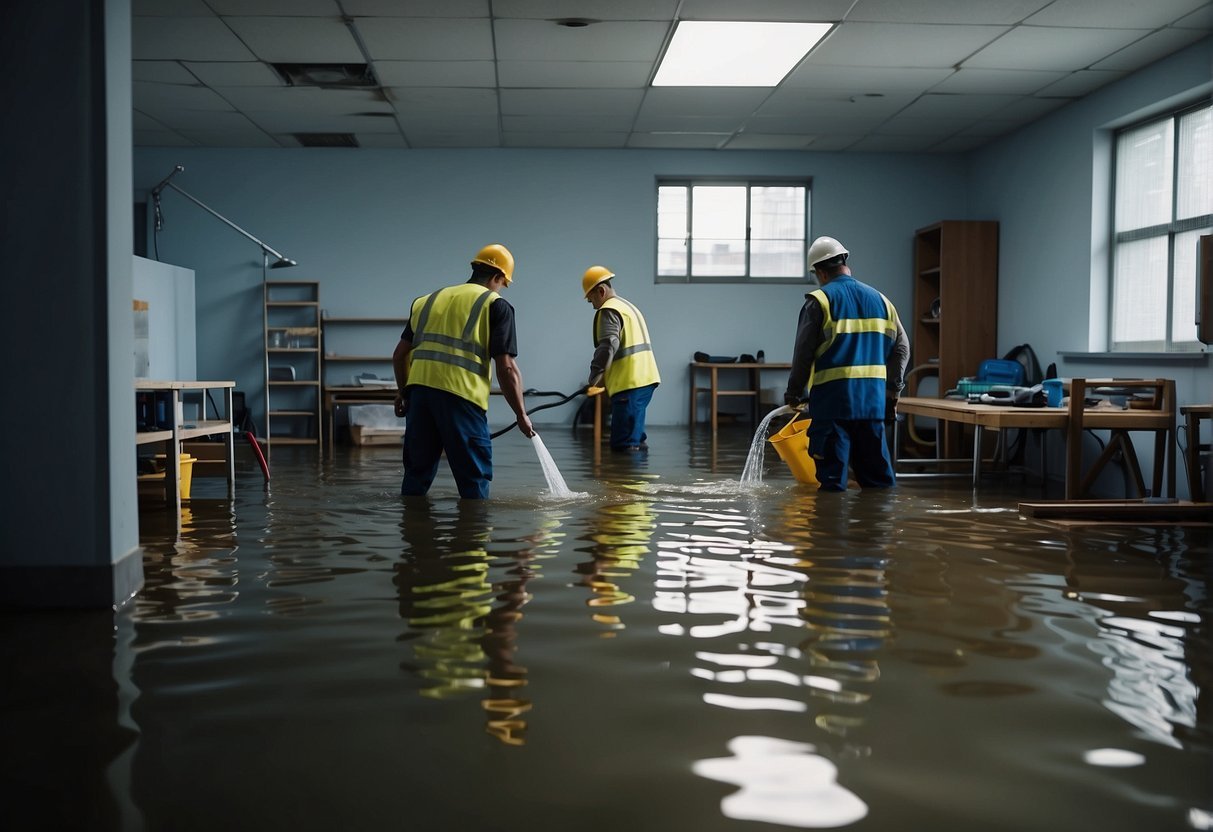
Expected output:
{"points": [[293, 367]]}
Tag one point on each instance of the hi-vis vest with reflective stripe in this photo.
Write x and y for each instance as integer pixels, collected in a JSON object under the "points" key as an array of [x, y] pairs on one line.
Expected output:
{"points": [[451, 342], [633, 364], [859, 326]]}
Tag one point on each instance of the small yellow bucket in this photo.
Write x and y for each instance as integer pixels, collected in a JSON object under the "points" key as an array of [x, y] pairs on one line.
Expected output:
{"points": [[791, 442], [187, 475]]}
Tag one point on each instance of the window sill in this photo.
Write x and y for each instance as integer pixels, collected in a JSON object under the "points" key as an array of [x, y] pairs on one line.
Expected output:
{"points": [[1135, 357]]}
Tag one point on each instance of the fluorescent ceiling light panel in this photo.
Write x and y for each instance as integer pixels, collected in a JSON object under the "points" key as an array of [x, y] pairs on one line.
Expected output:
{"points": [[735, 54]]}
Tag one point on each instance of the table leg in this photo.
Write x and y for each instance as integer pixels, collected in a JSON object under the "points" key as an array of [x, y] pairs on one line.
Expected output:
{"points": [[977, 431], [714, 393]]}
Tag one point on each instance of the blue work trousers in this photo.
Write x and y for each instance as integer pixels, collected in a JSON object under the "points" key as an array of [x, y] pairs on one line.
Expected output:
{"points": [[439, 421], [833, 443], [627, 417]]}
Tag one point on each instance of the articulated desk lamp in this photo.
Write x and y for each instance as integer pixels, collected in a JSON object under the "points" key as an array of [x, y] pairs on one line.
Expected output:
{"points": [[280, 262]]}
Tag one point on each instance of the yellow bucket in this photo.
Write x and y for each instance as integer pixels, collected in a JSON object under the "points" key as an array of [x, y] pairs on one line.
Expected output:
{"points": [[187, 475], [791, 442]]}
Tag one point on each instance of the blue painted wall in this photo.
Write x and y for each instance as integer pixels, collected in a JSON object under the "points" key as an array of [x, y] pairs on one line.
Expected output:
{"points": [[379, 227]]}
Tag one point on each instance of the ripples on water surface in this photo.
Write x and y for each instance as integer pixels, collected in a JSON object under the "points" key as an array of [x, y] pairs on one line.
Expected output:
{"points": [[664, 651]]}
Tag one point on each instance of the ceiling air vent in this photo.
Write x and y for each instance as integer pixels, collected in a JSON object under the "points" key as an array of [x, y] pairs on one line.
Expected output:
{"points": [[326, 139], [326, 75]]}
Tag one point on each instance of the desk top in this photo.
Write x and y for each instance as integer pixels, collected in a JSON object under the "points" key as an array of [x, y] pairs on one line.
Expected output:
{"points": [[757, 365], [145, 384], [1002, 416]]}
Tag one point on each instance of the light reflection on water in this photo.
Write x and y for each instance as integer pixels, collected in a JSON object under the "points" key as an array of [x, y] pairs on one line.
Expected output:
{"points": [[705, 655]]}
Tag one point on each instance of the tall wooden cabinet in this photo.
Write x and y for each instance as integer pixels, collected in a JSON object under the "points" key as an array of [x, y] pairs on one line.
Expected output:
{"points": [[292, 362], [955, 317]]}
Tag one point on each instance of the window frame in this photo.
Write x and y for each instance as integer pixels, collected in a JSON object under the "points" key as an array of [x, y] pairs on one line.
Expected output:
{"points": [[749, 183], [1168, 230]]}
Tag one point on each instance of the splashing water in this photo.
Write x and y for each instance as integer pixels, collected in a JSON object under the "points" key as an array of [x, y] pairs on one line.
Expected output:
{"points": [[752, 473], [556, 484]]}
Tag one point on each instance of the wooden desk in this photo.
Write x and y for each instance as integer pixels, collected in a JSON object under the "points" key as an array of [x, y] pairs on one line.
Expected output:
{"points": [[335, 396], [1193, 415], [179, 431], [753, 377], [982, 416]]}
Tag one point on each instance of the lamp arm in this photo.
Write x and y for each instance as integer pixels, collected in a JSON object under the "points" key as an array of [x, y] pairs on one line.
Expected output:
{"points": [[167, 184]]}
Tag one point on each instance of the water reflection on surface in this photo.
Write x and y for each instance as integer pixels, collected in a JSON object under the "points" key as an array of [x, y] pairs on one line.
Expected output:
{"points": [[666, 651]]}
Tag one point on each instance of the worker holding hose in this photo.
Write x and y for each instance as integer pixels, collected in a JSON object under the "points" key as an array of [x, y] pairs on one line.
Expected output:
{"points": [[851, 352], [623, 359], [444, 369]]}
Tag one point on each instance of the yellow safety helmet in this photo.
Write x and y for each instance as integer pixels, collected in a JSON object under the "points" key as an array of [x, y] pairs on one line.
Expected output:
{"points": [[499, 257], [593, 276]]}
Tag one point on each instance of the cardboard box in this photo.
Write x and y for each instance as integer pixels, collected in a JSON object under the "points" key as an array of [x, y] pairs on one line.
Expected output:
{"points": [[363, 435]]}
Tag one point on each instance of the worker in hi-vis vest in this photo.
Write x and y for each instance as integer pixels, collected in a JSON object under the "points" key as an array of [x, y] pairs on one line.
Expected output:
{"points": [[444, 369], [851, 351], [623, 359]]}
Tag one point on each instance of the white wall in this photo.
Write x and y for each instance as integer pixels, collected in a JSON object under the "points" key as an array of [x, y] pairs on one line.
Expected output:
{"points": [[169, 293]]}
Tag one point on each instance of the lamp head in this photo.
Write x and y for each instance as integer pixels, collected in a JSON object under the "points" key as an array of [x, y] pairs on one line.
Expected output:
{"points": [[284, 263]]}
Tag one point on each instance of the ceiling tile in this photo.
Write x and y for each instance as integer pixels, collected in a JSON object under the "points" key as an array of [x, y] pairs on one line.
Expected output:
{"points": [[278, 8], [657, 122], [252, 137], [612, 10], [600, 74], [183, 119], [1052, 49], [913, 126], [798, 103], [835, 142], [416, 8], [806, 123], [426, 39], [893, 144], [297, 39], [1078, 84], [159, 138], [380, 140], [567, 123], [702, 141], [327, 102], [542, 40], [479, 123], [558, 102], [453, 139], [170, 8], [703, 101], [1029, 108], [433, 101], [956, 106], [149, 96], [1113, 15], [185, 39], [997, 81], [856, 80], [583, 140], [771, 141], [1202, 18], [163, 72], [959, 144], [901, 45], [1150, 49], [231, 74], [283, 122], [1003, 12], [435, 73]]}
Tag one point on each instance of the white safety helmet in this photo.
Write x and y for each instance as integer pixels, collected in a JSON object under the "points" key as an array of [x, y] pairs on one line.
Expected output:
{"points": [[825, 248]]}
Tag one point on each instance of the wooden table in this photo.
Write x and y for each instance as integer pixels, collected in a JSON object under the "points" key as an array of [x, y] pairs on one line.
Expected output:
{"points": [[752, 390], [1193, 415], [335, 396], [995, 417]]}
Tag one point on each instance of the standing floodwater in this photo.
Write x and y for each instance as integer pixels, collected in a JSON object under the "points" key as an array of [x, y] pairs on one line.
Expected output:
{"points": [[556, 484], [752, 473]]}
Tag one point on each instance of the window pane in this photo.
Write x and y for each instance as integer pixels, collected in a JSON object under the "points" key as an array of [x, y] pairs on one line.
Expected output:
{"points": [[672, 230], [672, 212], [718, 230], [777, 213], [717, 258], [1195, 197], [1183, 318], [1139, 302], [1143, 175], [671, 257], [777, 258]]}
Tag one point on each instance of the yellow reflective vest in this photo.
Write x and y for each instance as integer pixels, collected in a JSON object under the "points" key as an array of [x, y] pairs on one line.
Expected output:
{"points": [[451, 342], [633, 364]]}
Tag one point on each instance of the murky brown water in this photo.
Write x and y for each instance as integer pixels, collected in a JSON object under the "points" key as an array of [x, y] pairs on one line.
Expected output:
{"points": [[665, 652]]}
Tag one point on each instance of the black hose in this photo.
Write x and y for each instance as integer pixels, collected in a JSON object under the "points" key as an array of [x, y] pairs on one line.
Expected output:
{"points": [[564, 400]]}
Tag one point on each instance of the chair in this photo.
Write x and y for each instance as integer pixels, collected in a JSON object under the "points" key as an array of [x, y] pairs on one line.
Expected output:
{"points": [[1155, 414]]}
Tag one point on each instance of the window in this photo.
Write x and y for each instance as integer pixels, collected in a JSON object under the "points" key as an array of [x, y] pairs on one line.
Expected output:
{"points": [[731, 232], [1163, 203]]}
